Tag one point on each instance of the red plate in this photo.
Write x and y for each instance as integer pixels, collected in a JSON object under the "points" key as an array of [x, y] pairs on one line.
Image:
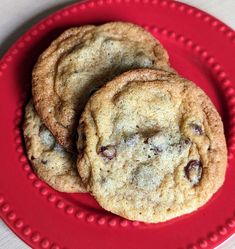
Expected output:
{"points": [[201, 48]]}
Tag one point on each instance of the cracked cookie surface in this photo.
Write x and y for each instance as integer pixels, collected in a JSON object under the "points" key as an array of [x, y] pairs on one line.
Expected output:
{"points": [[49, 160], [153, 146], [81, 60]]}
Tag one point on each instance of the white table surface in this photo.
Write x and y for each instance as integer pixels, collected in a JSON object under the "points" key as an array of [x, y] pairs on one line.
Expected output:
{"points": [[17, 16]]}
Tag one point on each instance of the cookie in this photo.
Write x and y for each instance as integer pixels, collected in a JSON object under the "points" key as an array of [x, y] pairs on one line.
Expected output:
{"points": [[49, 160], [79, 62], [152, 146]]}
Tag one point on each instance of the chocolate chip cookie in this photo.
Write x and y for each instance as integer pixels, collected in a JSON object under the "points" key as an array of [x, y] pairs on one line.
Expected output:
{"points": [[79, 62], [49, 160], [152, 146]]}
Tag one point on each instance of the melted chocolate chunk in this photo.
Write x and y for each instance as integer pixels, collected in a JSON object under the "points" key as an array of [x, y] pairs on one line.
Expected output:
{"points": [[193, 171], [197, 129], [108, 151]]}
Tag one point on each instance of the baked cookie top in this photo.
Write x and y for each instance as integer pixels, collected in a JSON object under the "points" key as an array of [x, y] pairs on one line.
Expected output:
{"points": [[78, 62], [152, 146], [49, 160]]}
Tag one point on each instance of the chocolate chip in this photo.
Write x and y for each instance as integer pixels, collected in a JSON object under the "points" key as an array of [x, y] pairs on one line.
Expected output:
{"points": [[187, 141], [44, 161], [108, 151], [146, 141], [193, 171], [158, 149], [197, 129]]}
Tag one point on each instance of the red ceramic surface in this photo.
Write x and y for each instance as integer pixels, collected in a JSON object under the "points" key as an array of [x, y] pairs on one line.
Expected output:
{"points": [[201, 48]]}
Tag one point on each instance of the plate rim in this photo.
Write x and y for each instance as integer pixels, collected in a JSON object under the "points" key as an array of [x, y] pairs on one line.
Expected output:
{"points": [[83, 5]]}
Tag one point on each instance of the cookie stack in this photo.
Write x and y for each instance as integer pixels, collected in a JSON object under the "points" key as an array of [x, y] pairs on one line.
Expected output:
{"points": [[109, 116]]}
